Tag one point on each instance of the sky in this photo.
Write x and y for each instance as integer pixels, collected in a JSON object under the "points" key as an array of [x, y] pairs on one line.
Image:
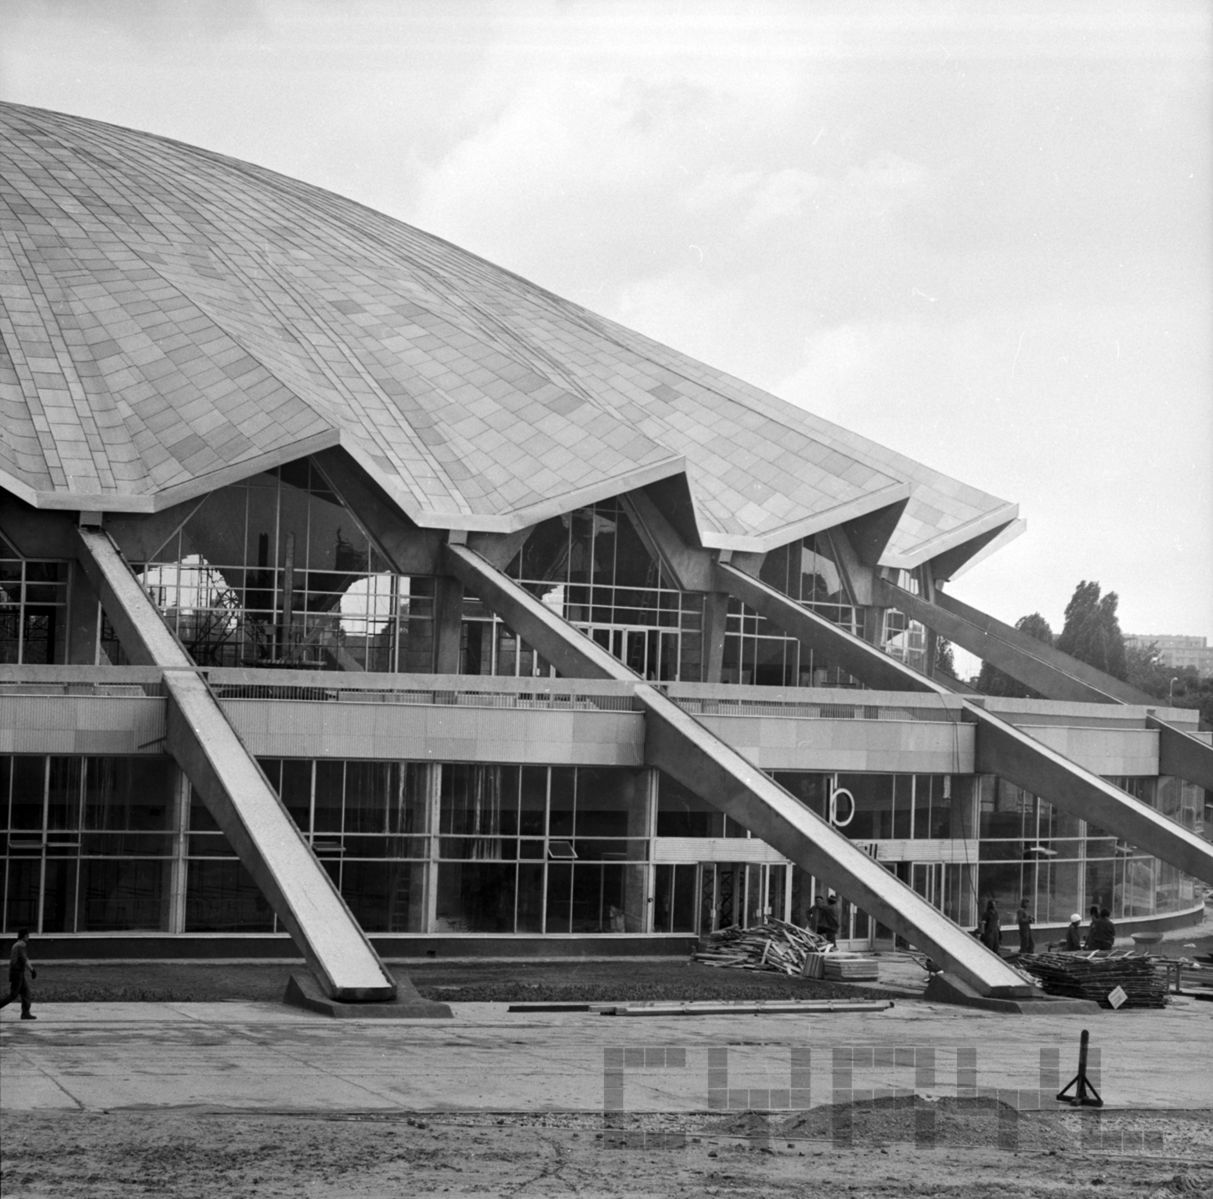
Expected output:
{"points": [[979, 233]]}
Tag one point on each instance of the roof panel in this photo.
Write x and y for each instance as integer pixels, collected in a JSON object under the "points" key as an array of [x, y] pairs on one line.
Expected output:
{"points": [[167, 309]]}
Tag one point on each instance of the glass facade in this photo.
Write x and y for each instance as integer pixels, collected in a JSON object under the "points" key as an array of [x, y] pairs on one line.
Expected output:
{"points": [[33, 604], [756, 652], [901, 637], [541, 849], [593, 568], [1029, 848], [884, 806], [277, 572], [91, 844]]}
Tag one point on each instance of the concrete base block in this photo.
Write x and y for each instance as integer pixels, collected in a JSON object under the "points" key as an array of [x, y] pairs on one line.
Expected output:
{"points": [[303, 991], [945, 988]]}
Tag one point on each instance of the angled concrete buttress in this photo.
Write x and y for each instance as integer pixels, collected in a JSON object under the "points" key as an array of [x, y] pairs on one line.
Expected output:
{"points": [[1181, 755], [1002, 748], [1046, 670], [680, 746], [857, 657], [230, 782], [1051, 673], [1012, 754]]}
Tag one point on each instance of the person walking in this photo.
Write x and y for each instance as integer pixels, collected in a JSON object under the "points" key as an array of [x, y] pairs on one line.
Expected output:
{"points": [[1023, 918], [20, 971], [991, 927]]}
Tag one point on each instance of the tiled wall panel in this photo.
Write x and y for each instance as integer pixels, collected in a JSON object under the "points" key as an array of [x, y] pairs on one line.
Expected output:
{"points": [[71, 724]]}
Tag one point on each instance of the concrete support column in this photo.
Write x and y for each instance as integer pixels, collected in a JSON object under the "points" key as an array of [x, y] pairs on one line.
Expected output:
{"points": [[179, 823], [83, 619], [639, 881], [715, 618], [932, 651], [426, 895], [873, 624], [448, 624]]}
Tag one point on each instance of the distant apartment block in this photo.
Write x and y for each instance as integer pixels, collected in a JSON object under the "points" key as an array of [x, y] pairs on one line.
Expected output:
{"points": [[1176, 650]]}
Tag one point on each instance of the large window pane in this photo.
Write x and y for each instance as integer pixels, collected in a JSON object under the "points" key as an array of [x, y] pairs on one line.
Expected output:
{"points": [[128, 793], [476, 896], [221, 897], [117, 895], [682, 813], [606, 799], [22, 887], [873, 794], [559, 897]]}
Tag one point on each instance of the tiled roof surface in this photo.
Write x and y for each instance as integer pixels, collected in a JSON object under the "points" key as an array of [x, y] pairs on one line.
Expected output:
{"points": [[170, 317]]}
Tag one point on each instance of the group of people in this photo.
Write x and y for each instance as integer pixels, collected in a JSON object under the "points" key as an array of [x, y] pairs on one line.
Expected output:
{"points": [[990, 928], [1100, 935]]}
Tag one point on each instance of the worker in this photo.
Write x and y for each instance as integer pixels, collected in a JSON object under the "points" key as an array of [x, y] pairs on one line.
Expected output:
{"points": [[1023, 919], [825, 918], [1102, 933], [1073, 941], [991, 927]]}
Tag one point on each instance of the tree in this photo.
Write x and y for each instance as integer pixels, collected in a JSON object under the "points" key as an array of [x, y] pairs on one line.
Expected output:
{"points": [[1146, 671], [993, 681], [944, 662], [1092, 631], [1177, 686]]}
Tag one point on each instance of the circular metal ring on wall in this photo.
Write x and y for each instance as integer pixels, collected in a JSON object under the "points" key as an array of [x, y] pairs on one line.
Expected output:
{"points": [[834, 808]]}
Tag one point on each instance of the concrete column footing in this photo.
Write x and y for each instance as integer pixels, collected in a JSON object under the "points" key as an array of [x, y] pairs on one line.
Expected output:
{"points": [[303, 991]]}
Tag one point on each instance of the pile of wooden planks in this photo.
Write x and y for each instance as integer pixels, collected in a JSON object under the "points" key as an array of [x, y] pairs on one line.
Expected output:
{"points": [[775, 945], [1096, 976], [849, 968]]}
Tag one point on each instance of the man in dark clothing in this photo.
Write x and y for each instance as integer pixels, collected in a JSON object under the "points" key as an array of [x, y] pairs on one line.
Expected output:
{"points": [[1102, 933], [20, 971], [991, 927], [1023, 918], [833, 919], [825, 918]]}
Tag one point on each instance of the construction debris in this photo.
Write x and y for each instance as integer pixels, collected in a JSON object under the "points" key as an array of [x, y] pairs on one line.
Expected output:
{"points": [[844, 967], [1096, 976], [775, 945]]}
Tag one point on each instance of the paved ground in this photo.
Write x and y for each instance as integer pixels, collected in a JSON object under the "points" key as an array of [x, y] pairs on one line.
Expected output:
{"points": [[266, 1056], [188, 1100]]}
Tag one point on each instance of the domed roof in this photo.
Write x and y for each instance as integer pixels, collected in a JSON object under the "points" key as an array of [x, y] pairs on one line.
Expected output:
{"points": [[174, 320]]}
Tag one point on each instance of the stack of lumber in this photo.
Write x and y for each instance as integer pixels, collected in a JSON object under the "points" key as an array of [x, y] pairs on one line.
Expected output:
{"points": [[842, 967], [775, 945], [1094, 976]]}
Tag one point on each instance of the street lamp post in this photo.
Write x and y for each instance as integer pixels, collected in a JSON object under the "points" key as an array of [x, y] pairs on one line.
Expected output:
{"points": [[1171, 690]]}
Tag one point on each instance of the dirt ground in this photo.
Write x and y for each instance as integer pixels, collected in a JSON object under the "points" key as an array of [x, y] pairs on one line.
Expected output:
{"points": [[970, 1149], [975, 1151], [570, 980]]}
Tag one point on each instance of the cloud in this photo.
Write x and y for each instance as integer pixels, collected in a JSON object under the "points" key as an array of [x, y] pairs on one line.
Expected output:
{"points": [[1091, 420], [983, 239]]}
